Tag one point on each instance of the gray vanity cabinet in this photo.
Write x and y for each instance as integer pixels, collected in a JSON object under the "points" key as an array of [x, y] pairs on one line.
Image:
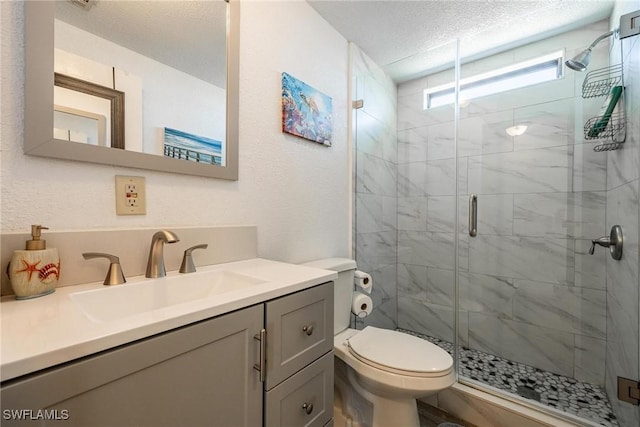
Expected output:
{"points": [[299, 331], [299, 383], [203, 374], [198, 375], [305, 399]]}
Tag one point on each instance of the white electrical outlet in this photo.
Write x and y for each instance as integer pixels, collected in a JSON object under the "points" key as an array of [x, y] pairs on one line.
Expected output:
{"points": [[130, 195]]}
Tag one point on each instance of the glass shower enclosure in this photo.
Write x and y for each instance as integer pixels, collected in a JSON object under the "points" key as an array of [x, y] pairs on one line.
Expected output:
{"points": [[529, 313]]}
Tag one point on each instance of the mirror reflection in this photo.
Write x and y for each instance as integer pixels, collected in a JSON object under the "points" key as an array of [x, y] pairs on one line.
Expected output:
{"points": [[79, 126], [168, 58]]}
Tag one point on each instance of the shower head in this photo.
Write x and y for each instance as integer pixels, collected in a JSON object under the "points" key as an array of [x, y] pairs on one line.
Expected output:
{"points": [[581, 60]]}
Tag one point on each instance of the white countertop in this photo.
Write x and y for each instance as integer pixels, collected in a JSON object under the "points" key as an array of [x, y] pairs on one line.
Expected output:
{"points": [[46, 331]]}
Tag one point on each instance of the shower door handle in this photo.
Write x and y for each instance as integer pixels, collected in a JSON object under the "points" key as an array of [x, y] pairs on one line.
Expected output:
{"points": [[473, 215]]}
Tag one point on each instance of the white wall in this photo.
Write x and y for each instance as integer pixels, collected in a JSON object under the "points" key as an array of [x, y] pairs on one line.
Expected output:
{"points": [[295, 191]]}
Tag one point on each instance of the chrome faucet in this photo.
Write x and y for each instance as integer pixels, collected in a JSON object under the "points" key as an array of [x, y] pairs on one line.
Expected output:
{"points": [[613, 241], [155, 265]]}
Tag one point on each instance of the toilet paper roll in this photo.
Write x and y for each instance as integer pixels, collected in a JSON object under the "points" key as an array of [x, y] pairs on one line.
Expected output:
{"points": [[361, 304], [363, 281]]}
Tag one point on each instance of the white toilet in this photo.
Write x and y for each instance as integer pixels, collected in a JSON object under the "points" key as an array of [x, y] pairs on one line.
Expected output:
{"points": [[388, 369]]}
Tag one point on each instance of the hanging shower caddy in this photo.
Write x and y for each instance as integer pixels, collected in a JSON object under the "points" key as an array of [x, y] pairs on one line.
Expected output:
{"points": [[599, 83]]}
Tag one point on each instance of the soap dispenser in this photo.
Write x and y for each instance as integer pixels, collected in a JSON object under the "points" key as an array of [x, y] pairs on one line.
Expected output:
{"points": [[34, 272]]}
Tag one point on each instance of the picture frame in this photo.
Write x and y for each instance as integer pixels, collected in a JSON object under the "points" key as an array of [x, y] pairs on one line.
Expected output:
{"points": [[186, 146], [306, 112]]}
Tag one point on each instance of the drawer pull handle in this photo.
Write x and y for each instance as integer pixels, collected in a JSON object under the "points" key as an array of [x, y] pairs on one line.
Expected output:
{"points": [[308, 329], [308, 408], [261, 366]]}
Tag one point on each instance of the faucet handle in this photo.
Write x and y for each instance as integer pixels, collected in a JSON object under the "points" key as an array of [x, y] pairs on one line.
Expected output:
{"points": [[603, 241], [187, 265], [115, 276], [613, 241]]}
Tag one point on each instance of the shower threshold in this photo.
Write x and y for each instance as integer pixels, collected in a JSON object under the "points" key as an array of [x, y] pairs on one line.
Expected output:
{"points": [[562, 393]]}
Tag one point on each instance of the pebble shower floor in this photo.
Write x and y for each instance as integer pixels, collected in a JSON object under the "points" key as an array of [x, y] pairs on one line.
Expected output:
{"points": [[559, 392]]}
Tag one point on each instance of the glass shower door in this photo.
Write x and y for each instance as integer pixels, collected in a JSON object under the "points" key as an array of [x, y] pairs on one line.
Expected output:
{"points": [[527, 312], [426, 195], [538, 314], [375, 159]]}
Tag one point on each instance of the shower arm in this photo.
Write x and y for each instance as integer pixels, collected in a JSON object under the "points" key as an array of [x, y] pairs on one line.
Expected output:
{"points": [[602, 37]]}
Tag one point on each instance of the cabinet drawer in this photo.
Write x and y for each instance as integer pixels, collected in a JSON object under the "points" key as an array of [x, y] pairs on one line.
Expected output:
{"points": [[305, 399], [299, 330]]}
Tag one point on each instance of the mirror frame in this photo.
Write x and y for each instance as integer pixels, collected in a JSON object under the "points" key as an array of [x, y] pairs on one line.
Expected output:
{"points": [[115, 98], [38, 104]]}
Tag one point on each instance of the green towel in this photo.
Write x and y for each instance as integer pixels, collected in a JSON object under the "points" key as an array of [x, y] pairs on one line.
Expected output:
{"points": [[605, 112]]}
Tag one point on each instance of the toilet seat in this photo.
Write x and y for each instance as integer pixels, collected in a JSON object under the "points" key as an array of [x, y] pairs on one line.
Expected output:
{"points": [[400, 353]]}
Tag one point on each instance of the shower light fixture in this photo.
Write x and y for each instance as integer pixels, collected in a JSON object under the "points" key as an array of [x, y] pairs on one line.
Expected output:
{"points": [[581, 60], [516, 130]]}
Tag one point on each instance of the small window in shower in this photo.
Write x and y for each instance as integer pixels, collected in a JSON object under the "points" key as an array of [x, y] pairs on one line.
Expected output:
{"points": [[538, 70]]}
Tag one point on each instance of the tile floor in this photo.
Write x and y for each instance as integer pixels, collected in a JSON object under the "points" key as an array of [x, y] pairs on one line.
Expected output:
{"points": [[565, 394], [431, 416]]}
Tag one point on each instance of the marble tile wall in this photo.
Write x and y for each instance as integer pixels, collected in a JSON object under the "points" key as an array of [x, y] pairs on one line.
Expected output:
{"points": [[622, 279], [376, 210], [528, 289]]}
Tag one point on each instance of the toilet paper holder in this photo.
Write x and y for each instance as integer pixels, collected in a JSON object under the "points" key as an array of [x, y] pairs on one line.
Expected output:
{"points": [[363, 281], [361, 304]]}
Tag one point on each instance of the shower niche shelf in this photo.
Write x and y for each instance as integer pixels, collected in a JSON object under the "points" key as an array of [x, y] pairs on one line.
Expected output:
{"points": [[610, 127]]}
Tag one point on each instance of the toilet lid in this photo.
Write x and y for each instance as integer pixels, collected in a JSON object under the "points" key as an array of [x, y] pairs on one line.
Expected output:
{"points": [[400, 353]]}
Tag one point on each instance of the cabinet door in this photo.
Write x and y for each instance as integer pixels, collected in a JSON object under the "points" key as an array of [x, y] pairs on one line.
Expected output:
{"points": [[305, 399], [198, 375], [299, 330]]}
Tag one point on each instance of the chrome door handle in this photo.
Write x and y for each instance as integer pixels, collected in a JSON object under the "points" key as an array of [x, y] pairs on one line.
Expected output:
{"points": [[473, 215], [308, 329]]}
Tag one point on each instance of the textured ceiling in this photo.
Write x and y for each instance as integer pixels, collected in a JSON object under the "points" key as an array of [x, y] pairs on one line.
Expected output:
{"points": [[408, 37], [187, 35]]}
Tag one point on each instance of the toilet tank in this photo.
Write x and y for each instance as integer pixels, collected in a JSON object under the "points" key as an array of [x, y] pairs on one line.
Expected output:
{"points": [[342, 288]]}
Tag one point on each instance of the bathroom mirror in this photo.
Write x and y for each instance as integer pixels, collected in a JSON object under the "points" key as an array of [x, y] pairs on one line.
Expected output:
{"points": [[41, 53]]}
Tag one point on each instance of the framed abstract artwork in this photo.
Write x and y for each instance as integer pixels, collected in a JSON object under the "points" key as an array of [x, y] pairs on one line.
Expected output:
{"points": [[306, 112]]}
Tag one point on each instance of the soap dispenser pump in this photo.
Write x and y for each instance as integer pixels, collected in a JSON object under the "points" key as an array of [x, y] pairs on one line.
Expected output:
{"points": [[34, 271]]}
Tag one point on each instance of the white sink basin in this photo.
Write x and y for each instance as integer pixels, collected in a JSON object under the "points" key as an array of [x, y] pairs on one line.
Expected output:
{"points": [[117, 302]]}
